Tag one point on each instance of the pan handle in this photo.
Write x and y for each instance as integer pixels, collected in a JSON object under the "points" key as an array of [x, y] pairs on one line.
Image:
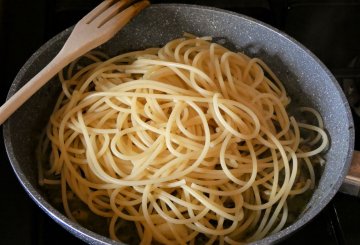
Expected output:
{"points": [[351, 184]]}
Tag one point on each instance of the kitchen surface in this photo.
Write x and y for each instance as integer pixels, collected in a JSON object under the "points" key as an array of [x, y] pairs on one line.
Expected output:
{"points": [[329, 28]]}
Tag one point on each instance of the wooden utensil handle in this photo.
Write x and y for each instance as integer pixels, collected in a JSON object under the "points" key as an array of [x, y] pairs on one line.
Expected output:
{"points": [[30, 88]]}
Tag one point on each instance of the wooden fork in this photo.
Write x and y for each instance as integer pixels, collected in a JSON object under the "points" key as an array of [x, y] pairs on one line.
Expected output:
{"points": [[96, 28]]}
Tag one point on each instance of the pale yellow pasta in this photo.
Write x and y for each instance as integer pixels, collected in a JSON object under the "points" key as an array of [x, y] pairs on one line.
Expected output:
{"points": [[189, 140]]}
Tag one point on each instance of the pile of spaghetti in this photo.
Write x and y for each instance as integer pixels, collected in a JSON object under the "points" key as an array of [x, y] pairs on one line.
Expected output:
{"points": [[186, 141]]}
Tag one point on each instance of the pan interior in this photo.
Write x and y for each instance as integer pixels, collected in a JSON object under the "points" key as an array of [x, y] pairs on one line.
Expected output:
{"points": [[307, 82]]}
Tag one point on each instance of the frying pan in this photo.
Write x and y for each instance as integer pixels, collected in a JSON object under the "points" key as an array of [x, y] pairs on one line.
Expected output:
{"points": [[306, 79]]}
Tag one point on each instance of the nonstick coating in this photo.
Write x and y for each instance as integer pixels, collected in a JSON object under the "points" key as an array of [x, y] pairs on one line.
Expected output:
{"points": [[306, 79]]}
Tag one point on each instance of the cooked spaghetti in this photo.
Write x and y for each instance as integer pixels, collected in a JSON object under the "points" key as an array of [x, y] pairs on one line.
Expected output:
{"points": [[186, 141]]}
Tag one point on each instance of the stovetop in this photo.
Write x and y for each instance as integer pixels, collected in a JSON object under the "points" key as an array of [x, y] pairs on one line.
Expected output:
{"points": [[329, 28]]}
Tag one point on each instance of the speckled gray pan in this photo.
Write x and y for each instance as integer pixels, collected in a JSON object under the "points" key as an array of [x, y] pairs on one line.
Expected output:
{"points": [[305, 77]]}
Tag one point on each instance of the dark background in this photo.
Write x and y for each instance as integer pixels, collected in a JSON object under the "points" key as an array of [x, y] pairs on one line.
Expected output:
{"points": [[329, 28]]}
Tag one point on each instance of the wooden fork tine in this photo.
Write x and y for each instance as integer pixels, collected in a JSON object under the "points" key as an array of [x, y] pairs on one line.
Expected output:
{"points": [[122, 18], [110, 12], [96, 11]]}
